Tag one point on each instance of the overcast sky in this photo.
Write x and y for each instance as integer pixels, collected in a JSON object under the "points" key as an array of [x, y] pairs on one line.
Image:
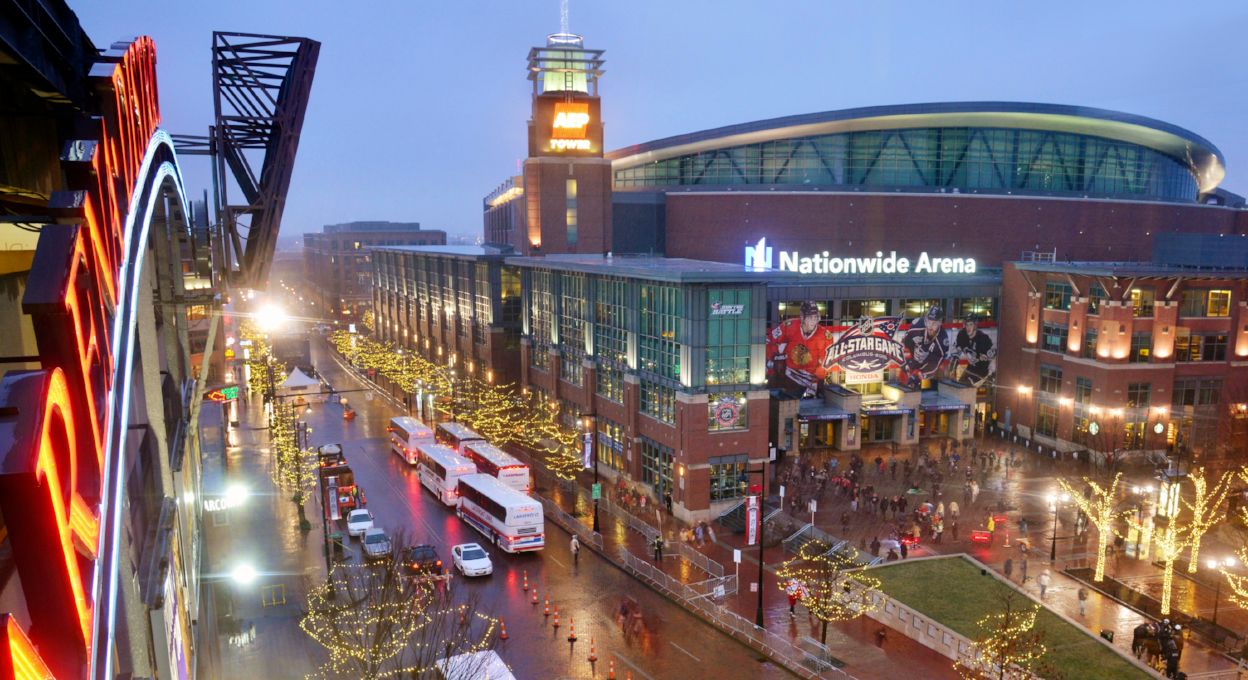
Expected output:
{"points": [[418, 108]]}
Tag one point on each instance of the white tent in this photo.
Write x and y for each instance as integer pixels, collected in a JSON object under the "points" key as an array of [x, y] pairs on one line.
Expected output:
{"points": [[299, 383]]}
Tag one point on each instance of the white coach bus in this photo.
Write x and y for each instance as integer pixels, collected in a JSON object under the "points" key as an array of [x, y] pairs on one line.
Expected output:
{"points": [[406, 433], [440, 468], [455, 435], [510, 519], [499, 464]]}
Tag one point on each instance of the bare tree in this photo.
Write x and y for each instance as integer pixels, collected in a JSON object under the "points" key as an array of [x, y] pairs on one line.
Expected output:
{"points": [[378, 621]]}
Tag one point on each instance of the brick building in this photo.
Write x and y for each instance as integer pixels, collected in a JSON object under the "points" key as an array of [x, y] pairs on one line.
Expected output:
{"points": [[1125, 358], [336, 262]]}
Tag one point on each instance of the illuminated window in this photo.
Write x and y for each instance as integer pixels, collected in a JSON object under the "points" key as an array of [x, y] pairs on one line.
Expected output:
{"points": [[656, 465], [979, 306], [852, 310], [1050, 379], [571, 212], [1054, 337], [1142, 301], [1141, 346], [1219, 303], [1046, 420], [1138, 394], [728, 338], [1057, 295], [1083, 390], [728, 478]]}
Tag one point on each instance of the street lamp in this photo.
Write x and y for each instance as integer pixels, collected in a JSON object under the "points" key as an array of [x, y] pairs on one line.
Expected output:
{"points": [[1215, 565], [762, 496], [590, 422], [243, 574], [1053, 499], [453, 394]]}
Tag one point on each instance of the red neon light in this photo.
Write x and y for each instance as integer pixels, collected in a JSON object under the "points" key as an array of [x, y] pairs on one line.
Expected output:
{"points": [[53, 420], [22, 662]]}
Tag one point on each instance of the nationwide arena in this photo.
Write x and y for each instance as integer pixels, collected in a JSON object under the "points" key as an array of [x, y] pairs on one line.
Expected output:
{"points": [[713, 300]]}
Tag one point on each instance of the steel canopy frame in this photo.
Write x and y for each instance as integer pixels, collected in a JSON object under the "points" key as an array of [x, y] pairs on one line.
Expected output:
{"points": [[261, 85]]}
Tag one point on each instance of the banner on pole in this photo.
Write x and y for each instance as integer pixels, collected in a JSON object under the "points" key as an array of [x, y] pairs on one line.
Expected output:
{"points": [[752, 516]]}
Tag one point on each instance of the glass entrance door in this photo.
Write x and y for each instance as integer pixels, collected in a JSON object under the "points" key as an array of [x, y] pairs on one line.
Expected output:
{"points": [[879, 428]]}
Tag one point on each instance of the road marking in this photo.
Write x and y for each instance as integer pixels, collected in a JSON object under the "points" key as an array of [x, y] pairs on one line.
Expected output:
{"points": [[556, 560], [633, 666], [684, 650]]}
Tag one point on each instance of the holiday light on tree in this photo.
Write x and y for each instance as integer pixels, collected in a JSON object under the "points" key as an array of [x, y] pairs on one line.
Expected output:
{"points": [[833, 588], [1008, 647], [1208, 508], [1103, 511], [377, 622]]}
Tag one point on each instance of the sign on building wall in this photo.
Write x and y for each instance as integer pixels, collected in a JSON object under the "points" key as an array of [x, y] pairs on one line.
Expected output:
{"points": [[727, 412], [761, 256], [805, 353]]}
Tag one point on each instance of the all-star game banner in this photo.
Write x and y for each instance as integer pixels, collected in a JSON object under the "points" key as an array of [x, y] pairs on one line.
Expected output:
{"points": [[805, 353]]}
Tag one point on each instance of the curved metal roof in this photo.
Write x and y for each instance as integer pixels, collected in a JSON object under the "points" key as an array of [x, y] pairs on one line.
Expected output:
{"points": [[1205, 160]]}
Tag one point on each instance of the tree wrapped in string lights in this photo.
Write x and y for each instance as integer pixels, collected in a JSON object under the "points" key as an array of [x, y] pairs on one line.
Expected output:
{"points": [[259, 360], [832, 587], [1009, 647], [1170, 539], [378, 622], [296, 467], [1208, 508], [1104, 510]]}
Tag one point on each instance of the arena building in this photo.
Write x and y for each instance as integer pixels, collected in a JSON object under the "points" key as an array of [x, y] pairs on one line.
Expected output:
{"points": [[863, 250]]}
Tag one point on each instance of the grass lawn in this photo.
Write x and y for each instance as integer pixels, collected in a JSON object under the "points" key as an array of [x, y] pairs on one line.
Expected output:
{"points": [[953, 592]]}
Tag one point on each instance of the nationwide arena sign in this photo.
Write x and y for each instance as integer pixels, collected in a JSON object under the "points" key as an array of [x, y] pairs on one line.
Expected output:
{"points": [[761, 256]]}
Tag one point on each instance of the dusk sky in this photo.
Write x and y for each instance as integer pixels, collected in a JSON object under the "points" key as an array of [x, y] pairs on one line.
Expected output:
{"points": [[419, 108]]}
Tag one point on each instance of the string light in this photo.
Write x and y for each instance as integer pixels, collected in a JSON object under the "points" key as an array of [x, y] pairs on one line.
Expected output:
{"points": [[1208, 508], [833, 587], [1008, 647], [500, 413], [376, 623], [1101, 509]]}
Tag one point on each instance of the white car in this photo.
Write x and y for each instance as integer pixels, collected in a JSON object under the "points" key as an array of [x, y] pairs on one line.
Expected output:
{"points": [[471, 560], [358, 522]]}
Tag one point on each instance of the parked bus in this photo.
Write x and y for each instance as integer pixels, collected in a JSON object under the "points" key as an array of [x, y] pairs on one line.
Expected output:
{"points": [[406, 433], [440, 468], [510, 519], [499, 464], [455, 434]]}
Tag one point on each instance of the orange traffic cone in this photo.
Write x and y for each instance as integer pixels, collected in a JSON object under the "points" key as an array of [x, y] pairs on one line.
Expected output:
{"points": [[556, 624], [503, 625], [571, 630], [535, 596], [593, 652], [547, 612], [611, 673], [526, 580]]}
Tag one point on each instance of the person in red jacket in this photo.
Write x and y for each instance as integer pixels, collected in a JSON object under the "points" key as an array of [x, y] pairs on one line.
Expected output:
{"points": [[800, 344]]}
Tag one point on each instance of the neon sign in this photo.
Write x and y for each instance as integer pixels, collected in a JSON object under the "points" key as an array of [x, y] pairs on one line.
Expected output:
{"points": [[569, 130], [761, 256], [222, 394], [54, 475]]}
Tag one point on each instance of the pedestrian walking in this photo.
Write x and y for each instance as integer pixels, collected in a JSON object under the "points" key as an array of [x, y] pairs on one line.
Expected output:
{"points": [[892, 468], [844, 522], [576, 548], [881, 635], [875, 546], [1023, 569], [793, 590], [658, 549], [904, 550], [1083, 601], [974, 491], [953, 528], [1043, 582], [1022, 527], [883, 507], [953, 509], [1009, 568], [992, 524]]}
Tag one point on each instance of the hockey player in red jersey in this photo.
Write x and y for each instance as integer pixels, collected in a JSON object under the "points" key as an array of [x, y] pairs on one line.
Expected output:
{"points": [[795, 351]]}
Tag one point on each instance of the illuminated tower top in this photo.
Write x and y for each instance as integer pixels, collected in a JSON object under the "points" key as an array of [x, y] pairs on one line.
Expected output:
{"points": [[565, 66]]}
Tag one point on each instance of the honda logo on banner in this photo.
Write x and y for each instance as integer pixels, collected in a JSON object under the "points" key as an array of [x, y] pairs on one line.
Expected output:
{"points": [[752, 515]]}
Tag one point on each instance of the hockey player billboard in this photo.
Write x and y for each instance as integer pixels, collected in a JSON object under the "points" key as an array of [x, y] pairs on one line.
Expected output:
{"points": [[804, 353]]}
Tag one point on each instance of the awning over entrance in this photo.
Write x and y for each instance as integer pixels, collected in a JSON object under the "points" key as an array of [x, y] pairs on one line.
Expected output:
{"points": [[884, 408], [935, 401], [811, 410]]}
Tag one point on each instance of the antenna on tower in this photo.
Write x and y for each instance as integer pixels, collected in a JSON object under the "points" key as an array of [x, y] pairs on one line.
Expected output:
{"points": [[563, 16]]}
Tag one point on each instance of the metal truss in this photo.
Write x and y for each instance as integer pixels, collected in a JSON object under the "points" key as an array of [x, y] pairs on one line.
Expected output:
{"points": [[261, 85]]}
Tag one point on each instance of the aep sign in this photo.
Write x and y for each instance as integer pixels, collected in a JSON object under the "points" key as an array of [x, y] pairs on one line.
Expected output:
{"points": [[761, 256]]}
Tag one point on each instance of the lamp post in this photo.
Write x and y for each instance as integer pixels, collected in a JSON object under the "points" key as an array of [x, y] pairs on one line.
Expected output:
{"points": [[762, 497], [1053, 499], [590, 422], [1215, 565], [453, 395]]}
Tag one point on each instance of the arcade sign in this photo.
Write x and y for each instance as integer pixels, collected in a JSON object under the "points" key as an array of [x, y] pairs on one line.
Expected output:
{"points": [[222, 394], [761, 256], [57, 466]]}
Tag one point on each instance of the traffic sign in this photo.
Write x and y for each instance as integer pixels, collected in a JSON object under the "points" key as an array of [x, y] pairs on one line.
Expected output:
{"points": [[597, 491]]}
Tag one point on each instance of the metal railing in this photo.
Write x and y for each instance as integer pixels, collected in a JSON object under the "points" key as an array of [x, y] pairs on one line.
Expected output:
{"points": [[570, 524], [796, 660]]}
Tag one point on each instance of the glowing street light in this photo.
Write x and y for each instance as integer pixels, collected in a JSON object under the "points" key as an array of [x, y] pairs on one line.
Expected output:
{"points": [[243, 574], [271, 317]]}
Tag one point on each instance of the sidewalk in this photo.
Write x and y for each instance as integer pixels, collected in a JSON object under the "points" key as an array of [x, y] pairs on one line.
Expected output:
{"points": [[264, 533]]}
